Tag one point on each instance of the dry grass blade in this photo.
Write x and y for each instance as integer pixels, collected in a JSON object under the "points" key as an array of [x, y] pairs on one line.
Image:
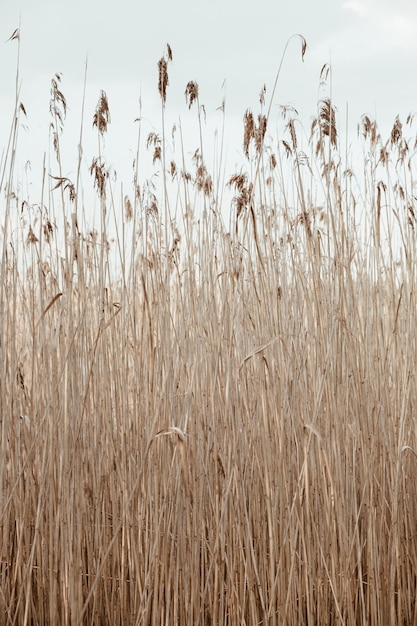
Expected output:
{"points": [[14, 35], [257, 350], [172, 430], [52, 302]]}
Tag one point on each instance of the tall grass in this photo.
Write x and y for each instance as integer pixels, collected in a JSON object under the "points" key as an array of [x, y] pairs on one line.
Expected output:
{"points": [[222, 431]]}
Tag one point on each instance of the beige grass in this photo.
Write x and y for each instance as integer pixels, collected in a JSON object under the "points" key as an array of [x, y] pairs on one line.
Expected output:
{"points": [[224, 433]]}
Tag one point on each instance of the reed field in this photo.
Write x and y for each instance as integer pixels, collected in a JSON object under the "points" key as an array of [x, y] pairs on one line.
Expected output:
{"points": [[208, 414]]}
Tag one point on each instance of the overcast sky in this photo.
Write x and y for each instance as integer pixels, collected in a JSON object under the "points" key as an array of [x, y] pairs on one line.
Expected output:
{"points": [[230, 48]]}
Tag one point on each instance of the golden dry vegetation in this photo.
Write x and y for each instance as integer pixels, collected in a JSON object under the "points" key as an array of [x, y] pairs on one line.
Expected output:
{"points": [[224, 432]]}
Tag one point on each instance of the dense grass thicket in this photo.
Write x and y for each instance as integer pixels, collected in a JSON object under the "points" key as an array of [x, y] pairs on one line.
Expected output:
{"points": [[212, 420]]}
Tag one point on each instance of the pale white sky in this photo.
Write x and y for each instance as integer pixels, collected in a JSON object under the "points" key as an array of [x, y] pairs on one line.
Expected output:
{"points": [[371, 44]]}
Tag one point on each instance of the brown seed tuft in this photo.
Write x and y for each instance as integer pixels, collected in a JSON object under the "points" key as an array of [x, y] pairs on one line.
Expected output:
{"points": [[238, 181], [248, 131], [98, 171], [260, 132], [396, 132], [327, 121], [191, 93], [101, 117], [48, 231], [128, 209], [156, 154], [66, 184], [58, 110], [293, 134], [369, 129], [262, 95], [163, 78], [31, 238], [153, 139]]}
